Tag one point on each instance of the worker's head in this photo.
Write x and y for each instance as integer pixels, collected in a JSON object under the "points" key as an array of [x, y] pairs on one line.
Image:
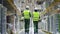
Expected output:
{"points": [[27, 7], [35, 9]]}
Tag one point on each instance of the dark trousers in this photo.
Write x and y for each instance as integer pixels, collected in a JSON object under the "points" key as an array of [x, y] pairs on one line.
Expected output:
{"points": [[27, 23], [35, 26]]}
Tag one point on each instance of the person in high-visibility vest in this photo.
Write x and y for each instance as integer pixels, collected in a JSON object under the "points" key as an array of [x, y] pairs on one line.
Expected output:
{"points": [[27, 15], [35, 20]]}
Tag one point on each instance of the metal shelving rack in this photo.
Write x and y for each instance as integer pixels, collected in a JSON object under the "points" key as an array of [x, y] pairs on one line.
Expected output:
{"points": [[3, 19]]}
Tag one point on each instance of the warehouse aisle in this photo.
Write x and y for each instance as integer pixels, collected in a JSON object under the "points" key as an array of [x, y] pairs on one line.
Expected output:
{"points": [[18, 15], [31, 29], [31, 32]]}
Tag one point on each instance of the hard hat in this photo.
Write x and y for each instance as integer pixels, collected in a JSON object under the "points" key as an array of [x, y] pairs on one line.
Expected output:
{"points": [[36, 8], [27, 6]]}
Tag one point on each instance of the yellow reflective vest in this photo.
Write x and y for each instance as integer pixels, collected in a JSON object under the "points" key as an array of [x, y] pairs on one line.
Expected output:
{"points": [[35, 16], [26, 14]]}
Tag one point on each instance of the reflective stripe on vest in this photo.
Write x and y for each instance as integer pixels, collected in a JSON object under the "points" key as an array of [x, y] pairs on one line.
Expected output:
{"points": [[26, 14], [35, 16]]}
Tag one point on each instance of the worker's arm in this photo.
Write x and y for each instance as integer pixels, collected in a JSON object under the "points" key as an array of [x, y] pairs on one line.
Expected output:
{"points": [[22, 18], [39, 19], [22, 13], [30, 14]]}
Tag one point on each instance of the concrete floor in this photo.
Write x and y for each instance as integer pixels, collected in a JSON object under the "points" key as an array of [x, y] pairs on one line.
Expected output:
{"points": [[31, 29], [31, 32]]}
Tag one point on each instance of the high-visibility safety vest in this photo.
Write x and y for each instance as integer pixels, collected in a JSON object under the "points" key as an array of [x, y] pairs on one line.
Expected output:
{"points": [[35, 16], [26, 14]]}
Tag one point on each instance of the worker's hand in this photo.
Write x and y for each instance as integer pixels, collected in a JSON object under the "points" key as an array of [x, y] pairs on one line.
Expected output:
{"points": [[22, 19], [39, 20]]}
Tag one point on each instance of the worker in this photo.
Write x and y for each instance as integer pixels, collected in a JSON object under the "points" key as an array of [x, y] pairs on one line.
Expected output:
{"points": [[35, 20], [27, 15]]}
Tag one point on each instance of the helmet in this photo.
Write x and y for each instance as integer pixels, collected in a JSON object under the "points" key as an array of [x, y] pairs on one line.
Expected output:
{"points": [[27, 7], [36, 9]]}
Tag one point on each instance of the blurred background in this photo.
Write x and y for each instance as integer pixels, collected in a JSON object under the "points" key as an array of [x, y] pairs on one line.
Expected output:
{"points": [[12, 21]]}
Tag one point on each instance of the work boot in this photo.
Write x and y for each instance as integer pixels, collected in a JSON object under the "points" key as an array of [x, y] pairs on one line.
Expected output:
{"points": [[26, 33], [35, 32]]}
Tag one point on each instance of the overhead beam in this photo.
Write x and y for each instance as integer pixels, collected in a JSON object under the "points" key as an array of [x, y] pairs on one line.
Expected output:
{"points": [[57, 0], [15, 8], [50, 7]]}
